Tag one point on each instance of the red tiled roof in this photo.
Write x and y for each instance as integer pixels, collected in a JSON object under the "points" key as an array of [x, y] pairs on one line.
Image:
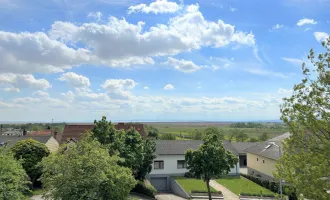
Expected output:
{"points": [[75, 131], [35, 133]]}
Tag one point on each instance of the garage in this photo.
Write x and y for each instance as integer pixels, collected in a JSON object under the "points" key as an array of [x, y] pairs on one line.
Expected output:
{"points": [[160, 183]]}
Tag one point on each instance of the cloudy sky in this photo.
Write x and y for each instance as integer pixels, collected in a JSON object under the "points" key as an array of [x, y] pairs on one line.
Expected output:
{"points": [[163, 60]]}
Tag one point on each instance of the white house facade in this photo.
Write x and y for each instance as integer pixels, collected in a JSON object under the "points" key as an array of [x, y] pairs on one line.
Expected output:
{"points": [[170, 161]]}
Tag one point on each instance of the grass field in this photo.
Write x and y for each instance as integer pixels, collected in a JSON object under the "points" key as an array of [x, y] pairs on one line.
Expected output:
{"points": [[242, 185], [182, 129], [190, 184]]}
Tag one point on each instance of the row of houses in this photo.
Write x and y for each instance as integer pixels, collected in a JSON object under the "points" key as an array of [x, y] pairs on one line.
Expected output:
{"points": [[258, 159]]}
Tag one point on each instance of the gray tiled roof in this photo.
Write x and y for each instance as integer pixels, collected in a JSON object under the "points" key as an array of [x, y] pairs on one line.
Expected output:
{"points": [[11, 140], [179, 147], [241, 146], [269, 151]]}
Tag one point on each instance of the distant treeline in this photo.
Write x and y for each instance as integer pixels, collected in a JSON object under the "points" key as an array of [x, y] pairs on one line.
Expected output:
{"points": [[35, 126], [257, 125]]}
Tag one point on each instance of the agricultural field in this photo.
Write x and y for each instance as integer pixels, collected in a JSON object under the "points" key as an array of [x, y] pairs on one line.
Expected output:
{"points": [[185, 129]]}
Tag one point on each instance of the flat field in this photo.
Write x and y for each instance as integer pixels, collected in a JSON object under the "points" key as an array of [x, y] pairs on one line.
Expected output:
{"points": [[186, 128]]}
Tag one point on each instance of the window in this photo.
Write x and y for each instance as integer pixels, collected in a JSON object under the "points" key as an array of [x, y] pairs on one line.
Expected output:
{"points": [[263, 161], [257, 159], [181, 164], [159, 164]]}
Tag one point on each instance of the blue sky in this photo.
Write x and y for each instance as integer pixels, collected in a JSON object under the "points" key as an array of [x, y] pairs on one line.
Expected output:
{"points": [[160, 60]]}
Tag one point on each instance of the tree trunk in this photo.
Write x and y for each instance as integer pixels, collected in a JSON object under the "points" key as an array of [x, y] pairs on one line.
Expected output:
{"points": [[208, 188]]}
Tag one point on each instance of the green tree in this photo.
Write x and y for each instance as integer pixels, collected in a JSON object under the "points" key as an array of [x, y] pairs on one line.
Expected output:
{"points": [[167, 136], [31, 152], [85, 170], [210, 160], [214, 130], [13, 179], [148, 157], [152, 131], [241, 137], [263, 137], [305, 163], [197, 135]]}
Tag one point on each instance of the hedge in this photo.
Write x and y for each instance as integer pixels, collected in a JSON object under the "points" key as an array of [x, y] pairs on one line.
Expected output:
{"points": [[145, 189], [257, 195], [273, 186]]}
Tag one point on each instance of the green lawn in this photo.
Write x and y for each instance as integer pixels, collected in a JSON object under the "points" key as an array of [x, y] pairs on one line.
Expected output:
{"points": [[242, 185], [190, 184]]}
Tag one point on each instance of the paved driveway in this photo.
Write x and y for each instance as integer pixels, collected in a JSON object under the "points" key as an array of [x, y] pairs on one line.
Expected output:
{"points": [[167, 196]]}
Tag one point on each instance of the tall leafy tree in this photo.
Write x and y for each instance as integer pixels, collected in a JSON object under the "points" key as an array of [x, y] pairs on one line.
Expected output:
{"points": [[210, 160], [214, 130], [263, 137], [13, 179], [85, 170], [306, 160], [31, 152], [149, 148], [104, 131]]}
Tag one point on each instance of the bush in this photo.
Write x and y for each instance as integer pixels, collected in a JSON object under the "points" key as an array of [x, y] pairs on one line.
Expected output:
{"points": [[167, 136], [257, 195], [188, 175], [145, 189], [273, 186]]}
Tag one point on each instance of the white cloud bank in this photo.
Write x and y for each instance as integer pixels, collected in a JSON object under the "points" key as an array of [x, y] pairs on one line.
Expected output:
{"points": [[321, 36], [75, 80], [182, 65], [20, 81]]}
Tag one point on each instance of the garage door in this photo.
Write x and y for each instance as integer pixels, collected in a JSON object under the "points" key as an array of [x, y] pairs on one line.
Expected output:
{"points": [[159, 183]]}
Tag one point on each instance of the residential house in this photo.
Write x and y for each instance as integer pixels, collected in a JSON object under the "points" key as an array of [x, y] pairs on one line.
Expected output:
{"points": [[48, 140], [170, 161], [76, 130], [262, 158], [240, 149]]}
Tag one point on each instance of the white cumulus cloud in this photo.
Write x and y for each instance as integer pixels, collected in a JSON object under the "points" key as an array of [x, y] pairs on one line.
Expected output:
{"points": [[169, 87], [11, 89], [75, 80], [321, 36], [21, 81], [95, 15], [182, 65], [305, 21], [159, 6], [119, 88]]}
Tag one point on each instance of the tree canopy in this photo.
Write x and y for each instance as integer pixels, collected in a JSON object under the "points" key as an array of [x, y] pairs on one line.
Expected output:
{"points": [[13, 179], [31, 152], [85, 170], [210, 160], [305, 163], [214, 130]]}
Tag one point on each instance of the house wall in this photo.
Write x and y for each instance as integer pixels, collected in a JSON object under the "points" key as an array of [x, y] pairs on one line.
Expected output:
{"points": [[52, 144], [258, 167], [170, 166]]}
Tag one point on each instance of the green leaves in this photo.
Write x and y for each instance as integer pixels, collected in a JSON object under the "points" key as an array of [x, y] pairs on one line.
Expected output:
{"points": [[13, 179], [306, 160], [211, 159], [31, 153], [85, 170]]}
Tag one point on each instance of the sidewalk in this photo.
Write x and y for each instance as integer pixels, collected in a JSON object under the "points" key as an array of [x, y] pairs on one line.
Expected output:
{"points": [[227, 194]]}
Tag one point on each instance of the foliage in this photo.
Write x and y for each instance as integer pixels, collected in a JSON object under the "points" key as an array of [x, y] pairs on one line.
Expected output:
{"points": [[31, 152], [137, 153], [188, 175], [167, 136], [197, 135], [305, 163], [104, 131], [263, 137], [252, 139], [210, 160], [239, 135], [13, 179], [256, 194], [273, 186], [85, 170], [152, 131], [145, 189], [246, 125], [241, 185], [214, 130]]}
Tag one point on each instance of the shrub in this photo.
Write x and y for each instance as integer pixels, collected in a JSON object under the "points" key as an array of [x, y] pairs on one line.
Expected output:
{"points": [[188, 175], [145, 189], [167, 136], [257, 194], [273, 186]]}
